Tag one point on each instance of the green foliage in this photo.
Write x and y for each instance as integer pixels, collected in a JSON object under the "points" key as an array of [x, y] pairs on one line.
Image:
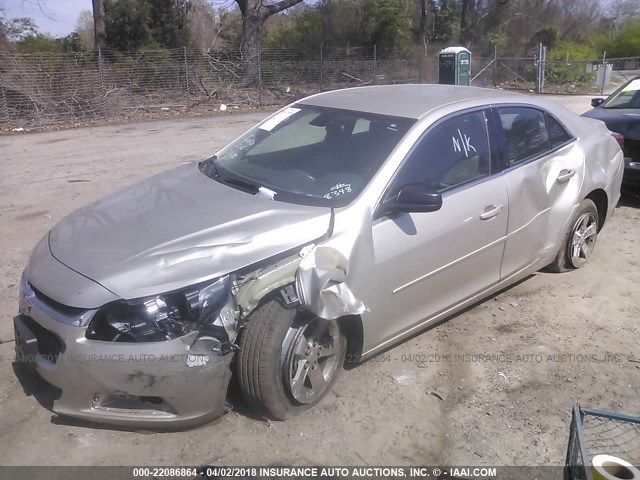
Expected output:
{"points": [[39, 43], [445, 22], [230, 28], [391, 25], [514, 26], [167, 23], [573, 51], [548, 36], [19, 29], [137, 24], [385, 24], [306, 34], [498, 38], [126, 24], [562, 72], [626, 43]]}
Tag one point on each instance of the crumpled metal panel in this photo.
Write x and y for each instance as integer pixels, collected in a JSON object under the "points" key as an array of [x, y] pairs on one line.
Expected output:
{"points": [[174, 230], [321, 284], [264, 281]]}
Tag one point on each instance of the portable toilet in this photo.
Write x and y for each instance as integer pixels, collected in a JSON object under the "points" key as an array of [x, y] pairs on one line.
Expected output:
{"points": [[454, 66]]}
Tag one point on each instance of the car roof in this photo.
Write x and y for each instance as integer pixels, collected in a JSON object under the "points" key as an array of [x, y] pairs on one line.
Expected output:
{"points": [[410, 101]]}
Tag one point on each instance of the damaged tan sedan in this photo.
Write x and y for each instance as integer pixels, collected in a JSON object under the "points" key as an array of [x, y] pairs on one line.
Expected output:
{"points": [[345, 222]]}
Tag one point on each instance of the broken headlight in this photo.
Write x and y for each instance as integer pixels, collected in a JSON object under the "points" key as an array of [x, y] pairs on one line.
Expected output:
{"points": [[157, 318]]}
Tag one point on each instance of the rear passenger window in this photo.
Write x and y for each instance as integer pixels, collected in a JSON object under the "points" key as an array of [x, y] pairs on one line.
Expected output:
{"points": [[453, 152], [557, 134], [526, 133]]}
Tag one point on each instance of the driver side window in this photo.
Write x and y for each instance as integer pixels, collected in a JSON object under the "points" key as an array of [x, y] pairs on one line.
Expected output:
{"points": [[453, 152]]}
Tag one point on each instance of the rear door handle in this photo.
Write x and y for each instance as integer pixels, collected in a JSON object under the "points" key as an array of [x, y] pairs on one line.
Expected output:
{"points": [[565, 175], [491, 211]]}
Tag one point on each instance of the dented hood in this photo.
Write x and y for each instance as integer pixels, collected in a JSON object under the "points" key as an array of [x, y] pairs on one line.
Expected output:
{"points": [[178, 228]]}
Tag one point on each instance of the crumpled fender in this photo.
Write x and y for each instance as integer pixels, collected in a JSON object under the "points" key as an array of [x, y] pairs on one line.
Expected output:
{"points": [[321, 284], [321, 273]]}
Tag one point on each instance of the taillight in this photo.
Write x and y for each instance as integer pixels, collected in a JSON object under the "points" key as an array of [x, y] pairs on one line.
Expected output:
{"points": [[619, 138]]}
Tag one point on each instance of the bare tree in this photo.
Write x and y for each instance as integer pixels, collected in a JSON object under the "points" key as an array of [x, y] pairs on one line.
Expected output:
{"points": [[85, 30], [472, 12], [254, 13], [579, 18], [204, 27], [99, 28]]}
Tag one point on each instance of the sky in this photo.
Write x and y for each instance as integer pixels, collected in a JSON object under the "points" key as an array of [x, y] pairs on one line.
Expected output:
{"points": [[56, 17]]}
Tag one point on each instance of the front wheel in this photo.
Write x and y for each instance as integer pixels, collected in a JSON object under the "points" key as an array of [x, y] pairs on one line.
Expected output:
{"points": [[580, 239], [288, 360]]}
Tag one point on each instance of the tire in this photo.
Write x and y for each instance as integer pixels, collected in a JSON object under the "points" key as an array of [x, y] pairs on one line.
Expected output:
{"points": [[274, 348], [584, 219]]}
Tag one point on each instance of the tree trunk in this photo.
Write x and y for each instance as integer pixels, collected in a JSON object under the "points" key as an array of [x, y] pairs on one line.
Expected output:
{"points": [[254, 13], [99, 29], [466, 21], [250, 48], [422, 29]]}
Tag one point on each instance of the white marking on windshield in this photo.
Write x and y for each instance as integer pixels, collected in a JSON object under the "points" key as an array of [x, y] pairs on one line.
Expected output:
{"points": [[337, 190], [278, 118]]}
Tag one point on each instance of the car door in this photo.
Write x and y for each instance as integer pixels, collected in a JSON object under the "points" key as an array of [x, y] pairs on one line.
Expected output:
{"points": [[425, 263], [543, 171]]}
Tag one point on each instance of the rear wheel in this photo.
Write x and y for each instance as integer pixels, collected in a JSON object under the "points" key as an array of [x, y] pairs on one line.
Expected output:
{"points": [[288, 360], [579, 240]]}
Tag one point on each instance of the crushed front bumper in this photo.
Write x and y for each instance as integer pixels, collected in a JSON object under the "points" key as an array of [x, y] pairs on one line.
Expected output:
{"points": [[173, 384]]}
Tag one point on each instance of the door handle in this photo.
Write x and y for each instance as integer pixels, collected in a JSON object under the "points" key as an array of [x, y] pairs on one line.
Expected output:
{"points": [[565, 175], [490, 212]]}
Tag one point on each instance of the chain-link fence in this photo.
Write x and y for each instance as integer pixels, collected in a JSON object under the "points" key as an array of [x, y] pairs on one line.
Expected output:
{"points": [[539, 75], [39, 90], [595, 432]]}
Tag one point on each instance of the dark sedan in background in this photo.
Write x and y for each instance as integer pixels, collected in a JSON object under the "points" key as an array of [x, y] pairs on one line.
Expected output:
{"points": [[621, 112]]}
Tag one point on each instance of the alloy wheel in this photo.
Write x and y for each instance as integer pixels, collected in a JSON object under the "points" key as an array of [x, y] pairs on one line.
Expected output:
{"points": [[583, 239], [310, 358]]}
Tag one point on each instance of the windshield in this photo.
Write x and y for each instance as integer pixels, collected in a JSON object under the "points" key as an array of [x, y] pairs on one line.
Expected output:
{"points": [[627, 97], [310, 155]]}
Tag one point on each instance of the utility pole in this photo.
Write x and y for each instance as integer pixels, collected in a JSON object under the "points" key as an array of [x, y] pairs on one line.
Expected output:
{"points": [[99, 29]]}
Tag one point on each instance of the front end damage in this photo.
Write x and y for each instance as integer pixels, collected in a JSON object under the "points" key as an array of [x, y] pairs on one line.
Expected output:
{"points": [[164, 360], [177, 382]]}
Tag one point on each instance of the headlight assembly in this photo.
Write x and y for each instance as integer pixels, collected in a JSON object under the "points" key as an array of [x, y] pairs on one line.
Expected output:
{"points": [[208, 307]]}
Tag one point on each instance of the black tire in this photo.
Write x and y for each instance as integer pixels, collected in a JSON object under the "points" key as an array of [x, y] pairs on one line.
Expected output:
{"points": [[263, 356], [564, 261]]}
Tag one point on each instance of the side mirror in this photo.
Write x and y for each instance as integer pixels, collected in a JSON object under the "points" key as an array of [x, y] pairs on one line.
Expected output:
{"points": [[595, 102], [414, 198]]}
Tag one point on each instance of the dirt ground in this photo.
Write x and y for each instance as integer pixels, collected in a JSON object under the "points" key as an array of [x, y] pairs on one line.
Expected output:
{"points": [[536, 348]]}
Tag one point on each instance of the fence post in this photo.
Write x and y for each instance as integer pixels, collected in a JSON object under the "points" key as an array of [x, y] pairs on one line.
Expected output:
{"points": [[186, 73], [259, 74], [5, 107], [321, 67], [375, 59], [604, 74], [495, 65], [541, 57], [102, 82], [544, 66]]}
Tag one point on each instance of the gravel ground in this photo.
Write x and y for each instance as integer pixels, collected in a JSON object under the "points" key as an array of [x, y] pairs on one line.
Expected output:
{"points": [[535, 349]]}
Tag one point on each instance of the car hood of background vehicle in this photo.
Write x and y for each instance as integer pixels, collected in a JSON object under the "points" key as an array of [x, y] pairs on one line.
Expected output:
{"points": [[623, 121], [178, 228]]}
